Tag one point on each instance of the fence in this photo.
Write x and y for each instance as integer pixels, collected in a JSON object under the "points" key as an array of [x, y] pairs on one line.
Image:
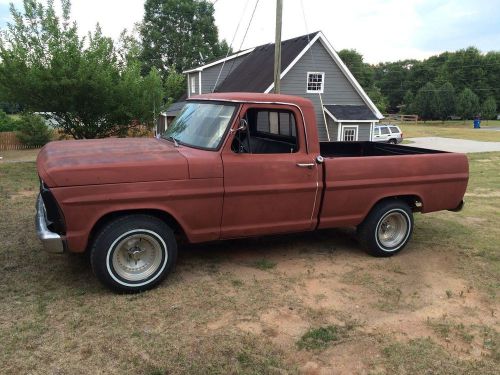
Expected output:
{"points": [[402, 118], [9, 141]]}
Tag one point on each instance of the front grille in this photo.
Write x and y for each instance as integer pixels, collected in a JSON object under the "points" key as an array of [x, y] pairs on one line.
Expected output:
{"points": [[54, 215]]}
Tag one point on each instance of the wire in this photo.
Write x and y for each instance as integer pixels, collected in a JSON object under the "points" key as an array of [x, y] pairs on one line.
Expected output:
{"points": [[244, 36], [230, 45]]}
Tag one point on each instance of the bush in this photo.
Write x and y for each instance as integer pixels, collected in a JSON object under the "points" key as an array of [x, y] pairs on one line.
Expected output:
{"points": [[7, 124], [33, 131]]}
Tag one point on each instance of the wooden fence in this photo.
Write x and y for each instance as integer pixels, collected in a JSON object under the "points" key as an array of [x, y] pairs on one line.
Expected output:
{"points": [[9, 141], [402, 118]]}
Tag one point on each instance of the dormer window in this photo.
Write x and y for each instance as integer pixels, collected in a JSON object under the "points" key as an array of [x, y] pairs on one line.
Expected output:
{"points": [[193, 85], [315, 82]]}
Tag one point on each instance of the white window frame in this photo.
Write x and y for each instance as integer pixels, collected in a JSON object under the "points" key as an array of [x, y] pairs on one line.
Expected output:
{"points": [[356, 132], [193, 84], [322, 83]]}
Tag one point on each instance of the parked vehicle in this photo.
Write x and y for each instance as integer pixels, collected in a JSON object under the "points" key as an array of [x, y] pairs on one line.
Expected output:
{"points": [[387, 133], [231, 165]]}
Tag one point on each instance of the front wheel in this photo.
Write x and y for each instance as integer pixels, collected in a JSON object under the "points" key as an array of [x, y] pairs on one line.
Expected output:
{"points": [[387, 228], [133, 253]]}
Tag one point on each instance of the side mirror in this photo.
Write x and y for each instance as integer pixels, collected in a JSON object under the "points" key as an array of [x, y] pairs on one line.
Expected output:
{"points": [[243, 126]]}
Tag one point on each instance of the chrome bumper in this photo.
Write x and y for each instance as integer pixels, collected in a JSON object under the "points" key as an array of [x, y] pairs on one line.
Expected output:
{"points": [[52, 242]]}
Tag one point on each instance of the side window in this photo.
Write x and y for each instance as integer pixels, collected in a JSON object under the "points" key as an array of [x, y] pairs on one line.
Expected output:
{"points": [[376, 131], [269, 132], [315, 82], [384, 130], [394, 129]]}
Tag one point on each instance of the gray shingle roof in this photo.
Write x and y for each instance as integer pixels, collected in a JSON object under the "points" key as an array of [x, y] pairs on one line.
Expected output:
{"points": [[350, 112]]}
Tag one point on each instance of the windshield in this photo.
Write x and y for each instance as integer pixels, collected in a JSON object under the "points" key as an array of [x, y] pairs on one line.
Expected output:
{"points": [[200, 124]]}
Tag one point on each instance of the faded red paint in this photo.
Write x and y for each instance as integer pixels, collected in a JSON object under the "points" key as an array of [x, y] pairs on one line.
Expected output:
{"points": [[219, 194]]}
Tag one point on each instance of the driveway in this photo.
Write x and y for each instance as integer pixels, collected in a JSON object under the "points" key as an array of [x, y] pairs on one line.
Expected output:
{"points": [[453, 144]]}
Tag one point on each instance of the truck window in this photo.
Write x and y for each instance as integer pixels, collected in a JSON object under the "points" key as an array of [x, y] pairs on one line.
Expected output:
{"points": [[269, 132], [384, 130]]}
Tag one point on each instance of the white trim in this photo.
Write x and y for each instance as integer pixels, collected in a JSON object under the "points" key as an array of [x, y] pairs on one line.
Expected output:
{"points": [[371, 132], [337, 120], [191, 86], [199, 82], [322, 83], [356, 127], [342, 67], [338, 131], [203, 67], [188, 88]]}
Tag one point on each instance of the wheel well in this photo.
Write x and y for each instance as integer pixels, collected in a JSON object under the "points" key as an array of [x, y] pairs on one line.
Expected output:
{"points": [[414, 201], [162, 215]]}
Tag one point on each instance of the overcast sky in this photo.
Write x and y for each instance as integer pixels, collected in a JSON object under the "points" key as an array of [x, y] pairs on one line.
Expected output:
{"points": [[381, 30]]}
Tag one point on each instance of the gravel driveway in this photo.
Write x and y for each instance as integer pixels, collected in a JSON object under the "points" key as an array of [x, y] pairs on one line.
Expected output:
{"points": [[453, 144]]}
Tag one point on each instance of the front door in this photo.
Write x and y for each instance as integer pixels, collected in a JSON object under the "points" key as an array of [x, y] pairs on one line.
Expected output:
{"points": [[270, 180]]}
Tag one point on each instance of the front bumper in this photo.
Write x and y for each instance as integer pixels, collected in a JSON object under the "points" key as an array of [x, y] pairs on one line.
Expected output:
{"points": [[51, 241]]}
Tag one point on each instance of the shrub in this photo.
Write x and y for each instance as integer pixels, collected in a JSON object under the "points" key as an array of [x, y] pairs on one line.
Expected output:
{"points": [[7, 124], [33, 131]]}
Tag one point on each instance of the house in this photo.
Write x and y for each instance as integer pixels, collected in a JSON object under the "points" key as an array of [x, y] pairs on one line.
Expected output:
{"points": [[310, 68]]}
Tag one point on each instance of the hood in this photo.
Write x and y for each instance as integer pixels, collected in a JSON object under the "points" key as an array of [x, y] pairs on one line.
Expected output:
{"points": [[110, 161]]}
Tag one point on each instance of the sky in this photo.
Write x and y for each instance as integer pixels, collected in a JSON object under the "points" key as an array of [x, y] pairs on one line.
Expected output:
{"points": [[381, 30]]}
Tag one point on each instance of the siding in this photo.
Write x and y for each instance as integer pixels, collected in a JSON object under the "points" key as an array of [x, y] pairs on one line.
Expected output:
{"points": [[209, 75], [337, 88], [363, 129]]}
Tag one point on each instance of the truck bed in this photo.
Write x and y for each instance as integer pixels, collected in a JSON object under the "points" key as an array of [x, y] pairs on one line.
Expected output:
{"points": [[356, 149]]}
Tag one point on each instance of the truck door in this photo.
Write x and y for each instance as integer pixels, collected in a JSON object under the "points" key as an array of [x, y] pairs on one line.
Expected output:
{"points": [[270, 180]]}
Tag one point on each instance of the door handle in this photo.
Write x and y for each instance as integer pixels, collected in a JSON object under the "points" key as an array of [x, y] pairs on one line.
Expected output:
{"points": [[305, 165]]}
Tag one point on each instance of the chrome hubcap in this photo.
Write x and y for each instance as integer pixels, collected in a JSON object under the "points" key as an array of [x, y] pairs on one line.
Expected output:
{"points": [[137, 257], [392, 230]]}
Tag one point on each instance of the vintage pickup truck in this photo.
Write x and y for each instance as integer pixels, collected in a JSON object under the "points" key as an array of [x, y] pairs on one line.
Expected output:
{"points": [[231, 165]]}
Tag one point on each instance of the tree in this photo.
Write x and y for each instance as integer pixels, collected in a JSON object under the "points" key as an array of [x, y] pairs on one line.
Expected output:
{"points": [[489, 109], [378, 98], [467, 104], [179, 34], [408, 103], [425, 103], [361, 71], [80, 83], [446, 101], [33, 131]]}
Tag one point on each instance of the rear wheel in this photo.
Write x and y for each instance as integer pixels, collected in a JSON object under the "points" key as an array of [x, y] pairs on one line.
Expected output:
{"points": [[387, 228], [393, 141], [133, 253]]}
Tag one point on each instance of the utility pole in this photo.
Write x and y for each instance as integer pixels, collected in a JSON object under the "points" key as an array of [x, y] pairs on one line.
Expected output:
{"points": [[277, 47]]}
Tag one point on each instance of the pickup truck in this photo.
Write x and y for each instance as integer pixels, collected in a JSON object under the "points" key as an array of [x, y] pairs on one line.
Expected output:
{"points": [[231, 165]]}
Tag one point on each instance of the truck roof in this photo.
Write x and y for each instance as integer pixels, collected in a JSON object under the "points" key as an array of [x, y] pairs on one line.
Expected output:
{"points": [[254, 97]]}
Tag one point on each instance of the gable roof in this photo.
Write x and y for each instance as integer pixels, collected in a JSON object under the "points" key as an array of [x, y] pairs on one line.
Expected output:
{"points": [[256, 71], [350, 112]]}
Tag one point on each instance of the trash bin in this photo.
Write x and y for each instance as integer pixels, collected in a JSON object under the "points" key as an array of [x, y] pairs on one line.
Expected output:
{"points": [[477, 123]]}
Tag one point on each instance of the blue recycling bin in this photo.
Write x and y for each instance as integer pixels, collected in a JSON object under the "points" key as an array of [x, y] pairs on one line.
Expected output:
{"points": [[477, 123]]}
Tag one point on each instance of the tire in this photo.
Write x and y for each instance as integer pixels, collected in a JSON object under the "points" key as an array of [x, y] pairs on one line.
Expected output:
{"points": [[387, 228], [393, 141], [133, 253]]}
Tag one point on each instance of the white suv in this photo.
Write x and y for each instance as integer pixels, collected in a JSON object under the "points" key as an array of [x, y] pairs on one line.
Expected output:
{"points": [[387, 133]]}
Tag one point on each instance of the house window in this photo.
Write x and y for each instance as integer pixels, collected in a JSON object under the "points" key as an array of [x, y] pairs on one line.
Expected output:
{"points": [[350, 133], [315, 82], [193, 85]]}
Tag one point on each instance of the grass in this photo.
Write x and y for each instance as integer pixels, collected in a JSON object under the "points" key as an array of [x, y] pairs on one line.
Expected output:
{"points": [[452, 129], [217, 315]]}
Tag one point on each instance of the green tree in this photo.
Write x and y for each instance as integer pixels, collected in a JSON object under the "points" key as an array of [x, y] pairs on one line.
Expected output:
{"points": [[81, 83], [354, 61], [179, 34], [489, 109], [408, 103], [446, 101], [378, 98], [467, 104], [425, 103]]}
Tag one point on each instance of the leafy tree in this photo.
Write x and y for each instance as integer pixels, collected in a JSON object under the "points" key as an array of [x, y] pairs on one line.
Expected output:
{"points": [[7, 124], [81, 84], [33, 131], [446, 101], [467, 104], [408, 103], [362, 71], [425, 103], [175, 86], [489, 109], [179, 34], [378, 98]]}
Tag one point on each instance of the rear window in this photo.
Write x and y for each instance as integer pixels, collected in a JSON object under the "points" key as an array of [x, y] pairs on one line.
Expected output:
{"points": [[394, 129]]}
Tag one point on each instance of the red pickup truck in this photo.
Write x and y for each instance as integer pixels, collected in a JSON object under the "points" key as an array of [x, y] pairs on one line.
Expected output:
{"points": [[231, 165]]}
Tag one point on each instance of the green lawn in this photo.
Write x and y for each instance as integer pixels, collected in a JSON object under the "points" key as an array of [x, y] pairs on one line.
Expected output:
{"points": [[305, 303], [452, 129]]}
